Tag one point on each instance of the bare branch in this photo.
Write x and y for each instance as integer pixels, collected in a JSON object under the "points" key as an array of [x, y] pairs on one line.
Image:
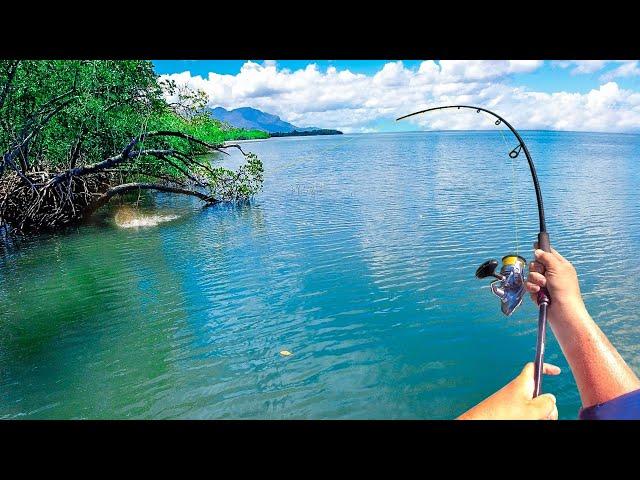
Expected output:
{"points": [[128, 153], [75, 150], [170, 133], [128, 187], [234, 145], [180, 169], [145, 173], [110, 162], [8, 156]]}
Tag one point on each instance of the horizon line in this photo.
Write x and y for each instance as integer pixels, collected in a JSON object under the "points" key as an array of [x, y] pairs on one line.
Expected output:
{"points": [[493, 130]]}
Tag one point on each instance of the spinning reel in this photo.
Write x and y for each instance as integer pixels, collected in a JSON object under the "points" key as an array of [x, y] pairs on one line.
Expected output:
{"points": [[509, 283]]}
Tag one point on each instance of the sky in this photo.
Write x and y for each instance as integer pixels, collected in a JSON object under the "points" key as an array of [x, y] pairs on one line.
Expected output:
{"points": [[363, 96]]}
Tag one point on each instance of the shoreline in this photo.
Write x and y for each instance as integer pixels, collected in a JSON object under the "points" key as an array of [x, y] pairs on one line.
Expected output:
{"points": [[248, 140]]}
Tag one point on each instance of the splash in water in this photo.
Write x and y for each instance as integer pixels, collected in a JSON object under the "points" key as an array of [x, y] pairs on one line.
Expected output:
{"points": [[127, 217]]}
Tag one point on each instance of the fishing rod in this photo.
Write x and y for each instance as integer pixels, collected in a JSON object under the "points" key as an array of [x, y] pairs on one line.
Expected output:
{"points": [[509, 283]]}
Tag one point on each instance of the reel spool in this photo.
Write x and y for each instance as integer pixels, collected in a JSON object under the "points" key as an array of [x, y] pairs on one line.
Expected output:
{"points": [[509, 283]]}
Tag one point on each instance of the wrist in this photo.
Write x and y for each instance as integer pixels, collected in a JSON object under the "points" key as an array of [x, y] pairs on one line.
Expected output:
{"points": [[568, 312]]}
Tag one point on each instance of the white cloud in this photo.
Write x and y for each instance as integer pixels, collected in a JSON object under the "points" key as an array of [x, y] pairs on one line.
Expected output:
{"points": [[354, 102], [583, 66], [627, 69], [472, 70]]}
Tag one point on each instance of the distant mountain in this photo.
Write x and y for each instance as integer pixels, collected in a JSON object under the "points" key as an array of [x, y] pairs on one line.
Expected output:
{"points": [[252, 118]]}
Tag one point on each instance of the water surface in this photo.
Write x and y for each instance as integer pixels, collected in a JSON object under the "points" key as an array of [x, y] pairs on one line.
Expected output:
{"points": [[358, 257]]}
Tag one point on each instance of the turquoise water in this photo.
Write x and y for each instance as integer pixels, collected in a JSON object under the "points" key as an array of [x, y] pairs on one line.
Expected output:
{"points": [[358, 258]]}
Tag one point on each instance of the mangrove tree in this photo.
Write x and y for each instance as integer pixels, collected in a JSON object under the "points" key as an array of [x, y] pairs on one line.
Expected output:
{"points": [[74, 134]]}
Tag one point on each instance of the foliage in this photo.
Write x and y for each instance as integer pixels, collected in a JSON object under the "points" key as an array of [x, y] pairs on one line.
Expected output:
{"points": [[65, 119], [105, 105], [244, 183], [204, 128]]}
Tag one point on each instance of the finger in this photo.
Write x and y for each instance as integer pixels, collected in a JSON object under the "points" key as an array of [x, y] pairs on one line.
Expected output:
{"points": [[531, 287], [547, 259], [554, 414], [549, 369], [543, 406], [536, 267], [534, 296], [553, 250], [560, 257], [537, 279]]}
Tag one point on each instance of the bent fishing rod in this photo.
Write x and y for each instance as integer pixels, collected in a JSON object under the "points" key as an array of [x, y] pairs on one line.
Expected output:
{"points": [[509, 283]]}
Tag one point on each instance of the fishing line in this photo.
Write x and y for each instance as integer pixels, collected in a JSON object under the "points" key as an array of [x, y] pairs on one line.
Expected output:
{"points": [[514, 203]]}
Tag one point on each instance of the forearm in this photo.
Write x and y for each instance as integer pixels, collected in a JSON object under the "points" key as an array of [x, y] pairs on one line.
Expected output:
{"points": [[600, 372]]}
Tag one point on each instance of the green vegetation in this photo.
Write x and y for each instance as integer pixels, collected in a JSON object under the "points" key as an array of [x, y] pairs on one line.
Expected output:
{"points": [[207, 128], [306, 133], [75, 133]]}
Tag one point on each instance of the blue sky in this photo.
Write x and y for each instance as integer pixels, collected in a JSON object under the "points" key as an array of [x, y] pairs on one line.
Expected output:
{"points": [[366, 95]]}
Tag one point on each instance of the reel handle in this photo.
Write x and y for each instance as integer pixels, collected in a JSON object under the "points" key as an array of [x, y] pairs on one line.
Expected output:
{"points": [[543, 302]]}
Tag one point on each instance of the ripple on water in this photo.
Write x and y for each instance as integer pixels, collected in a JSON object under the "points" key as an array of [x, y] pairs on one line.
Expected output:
{"points": [[358, 257]]}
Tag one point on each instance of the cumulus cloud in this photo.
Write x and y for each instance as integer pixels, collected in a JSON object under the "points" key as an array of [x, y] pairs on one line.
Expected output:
{"points": [[473, 70], [355, 102]]}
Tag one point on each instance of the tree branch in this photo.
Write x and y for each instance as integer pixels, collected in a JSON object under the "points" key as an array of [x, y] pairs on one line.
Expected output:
{"points": [[145, 173], [7, 157], [128, 187], [169, 133], [181, 170], [128, 154], [108, 163], [75, 151]]}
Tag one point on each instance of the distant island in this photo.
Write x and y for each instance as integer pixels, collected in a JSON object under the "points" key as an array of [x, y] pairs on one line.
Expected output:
{"points": [[304, 133], [253, 119]]}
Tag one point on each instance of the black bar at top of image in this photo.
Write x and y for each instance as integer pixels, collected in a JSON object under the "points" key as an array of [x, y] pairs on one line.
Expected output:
{"points": [[280, 31]]}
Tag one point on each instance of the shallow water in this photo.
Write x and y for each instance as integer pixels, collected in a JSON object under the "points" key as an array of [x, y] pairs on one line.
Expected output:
{"points": [[358, 258]]}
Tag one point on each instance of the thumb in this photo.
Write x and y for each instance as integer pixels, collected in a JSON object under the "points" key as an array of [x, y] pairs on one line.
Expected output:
{"points": [[527, 371], [543, 406]]}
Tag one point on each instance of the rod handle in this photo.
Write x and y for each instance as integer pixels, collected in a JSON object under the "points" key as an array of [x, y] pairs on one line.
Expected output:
{"points": [[543, 244], [539, 361], [543, 302]]}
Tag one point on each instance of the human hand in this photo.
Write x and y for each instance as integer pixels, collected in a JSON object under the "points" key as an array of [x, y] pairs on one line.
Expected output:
{"points": [[552, 270], [515, 400]]}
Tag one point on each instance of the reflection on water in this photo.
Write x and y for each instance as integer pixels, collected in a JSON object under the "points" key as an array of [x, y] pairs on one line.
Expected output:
{"points": [[357, 258]]}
